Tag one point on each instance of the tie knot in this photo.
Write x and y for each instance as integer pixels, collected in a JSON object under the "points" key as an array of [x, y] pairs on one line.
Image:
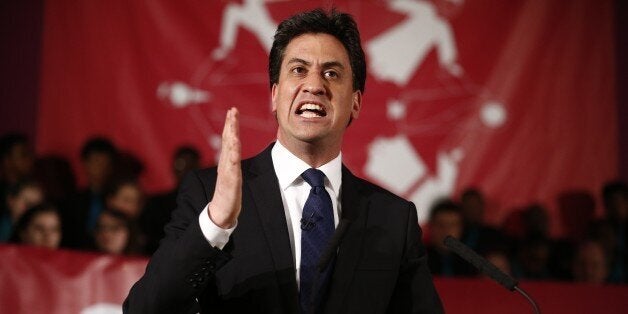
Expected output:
{"points": [[314, 177]]}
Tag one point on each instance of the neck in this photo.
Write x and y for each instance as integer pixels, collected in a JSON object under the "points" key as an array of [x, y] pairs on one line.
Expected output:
{"points": [[314, 154]]}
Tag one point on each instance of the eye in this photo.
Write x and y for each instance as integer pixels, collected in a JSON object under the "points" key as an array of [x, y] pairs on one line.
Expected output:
{"points": [[331, 74], [298, 70]]}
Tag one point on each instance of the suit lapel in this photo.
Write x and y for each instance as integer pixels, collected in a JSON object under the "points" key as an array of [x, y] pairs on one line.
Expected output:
{"points": [[354, 209], [260, 181]]}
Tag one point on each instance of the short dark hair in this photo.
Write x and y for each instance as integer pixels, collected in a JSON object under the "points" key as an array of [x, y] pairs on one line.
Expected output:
{"points": [[98, 145], [187, 150], [609, 191], [340, 25], [443, 206]]}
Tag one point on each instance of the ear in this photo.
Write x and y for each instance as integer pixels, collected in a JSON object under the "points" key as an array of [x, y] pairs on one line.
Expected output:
{"points": [[273, 93], [356, 104]]}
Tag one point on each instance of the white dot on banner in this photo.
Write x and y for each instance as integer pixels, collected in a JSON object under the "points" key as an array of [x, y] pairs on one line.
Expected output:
{"points": [[493, 114]]}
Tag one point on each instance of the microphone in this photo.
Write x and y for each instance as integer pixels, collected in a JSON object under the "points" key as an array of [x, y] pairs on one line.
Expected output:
{"points": [[307, 223], [486, 268]]}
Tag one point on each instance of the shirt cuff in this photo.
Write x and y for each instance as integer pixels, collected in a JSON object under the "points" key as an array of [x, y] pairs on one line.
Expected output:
{"points": [[215, 236]]}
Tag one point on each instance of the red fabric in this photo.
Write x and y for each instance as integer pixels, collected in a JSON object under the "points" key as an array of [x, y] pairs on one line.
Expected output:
{"points": [[485, 296], [44, 281], [514, 97]]}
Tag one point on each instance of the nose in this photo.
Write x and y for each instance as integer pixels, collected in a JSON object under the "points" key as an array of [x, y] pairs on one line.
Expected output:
{"points": [[315, 84]]}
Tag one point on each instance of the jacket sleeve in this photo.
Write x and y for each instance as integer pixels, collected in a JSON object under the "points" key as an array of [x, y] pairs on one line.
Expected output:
{"points": [[415, 291], [184, 264]]}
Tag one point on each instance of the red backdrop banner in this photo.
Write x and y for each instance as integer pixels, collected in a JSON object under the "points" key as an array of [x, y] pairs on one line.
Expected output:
{"points": [[516, 97]]}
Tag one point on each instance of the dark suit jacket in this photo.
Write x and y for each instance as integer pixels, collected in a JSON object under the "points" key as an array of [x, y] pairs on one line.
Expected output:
{"points": [[380, 266]]}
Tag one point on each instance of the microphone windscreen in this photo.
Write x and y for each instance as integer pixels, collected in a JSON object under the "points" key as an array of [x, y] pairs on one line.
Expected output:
{"points": [[480, 263]]}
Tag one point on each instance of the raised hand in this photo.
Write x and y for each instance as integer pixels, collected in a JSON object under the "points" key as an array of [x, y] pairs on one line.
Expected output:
{"points": [[225, 206]]}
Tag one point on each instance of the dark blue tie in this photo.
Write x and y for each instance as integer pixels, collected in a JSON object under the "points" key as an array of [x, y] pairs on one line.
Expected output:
{"points": [[317, 228]]}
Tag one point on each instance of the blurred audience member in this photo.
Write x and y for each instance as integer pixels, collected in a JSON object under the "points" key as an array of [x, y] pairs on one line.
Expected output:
{"points": [[16, 158], [98, 157], [127, 167], [158, 207], [57, 179], [125, 196], [446, 219], [536, 223], [532, 259], [533, 253], [116, 233], [39, 226], [590, 264], [615, 198], [477, 234], [20, 198]]}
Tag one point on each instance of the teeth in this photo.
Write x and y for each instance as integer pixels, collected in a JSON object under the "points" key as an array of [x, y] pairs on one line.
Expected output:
{"points": [[309, 114], [311, 107], [311, 110]]}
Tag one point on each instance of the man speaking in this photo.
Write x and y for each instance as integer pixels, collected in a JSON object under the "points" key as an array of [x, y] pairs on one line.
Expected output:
{"points": [[291, 230]]}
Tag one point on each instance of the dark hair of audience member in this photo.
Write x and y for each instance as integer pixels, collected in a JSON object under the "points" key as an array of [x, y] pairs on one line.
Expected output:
{"points": [[615, 198], [185, 159], [98, 145], [16, 158]]}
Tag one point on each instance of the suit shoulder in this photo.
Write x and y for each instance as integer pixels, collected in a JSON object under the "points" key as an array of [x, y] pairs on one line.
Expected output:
{"points": [[379, 192]]}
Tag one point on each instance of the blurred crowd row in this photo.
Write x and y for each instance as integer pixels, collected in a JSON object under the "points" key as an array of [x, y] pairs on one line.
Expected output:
{"points": [[40, 204], [593, 252]]}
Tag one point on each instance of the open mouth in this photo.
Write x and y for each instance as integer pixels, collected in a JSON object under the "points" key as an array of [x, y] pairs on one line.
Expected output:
{"points": [[311, 110]]}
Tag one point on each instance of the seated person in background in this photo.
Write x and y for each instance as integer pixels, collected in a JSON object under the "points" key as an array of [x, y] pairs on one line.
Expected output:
{"points": [[615, 197], [125, 196], [39, 226], [446, 219], [98, 157], [159, 207], [16, 162], [21, 197], [477, 234], [533, 251], [532, 259], [116, 233], [590, 264]]}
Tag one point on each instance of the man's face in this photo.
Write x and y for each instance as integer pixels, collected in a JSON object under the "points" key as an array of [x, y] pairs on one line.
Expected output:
{"points": [[314, 97]]}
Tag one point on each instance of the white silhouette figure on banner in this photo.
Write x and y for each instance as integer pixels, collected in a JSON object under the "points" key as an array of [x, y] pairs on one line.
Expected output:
{"points": [[396, 165], [396, 54], [253, 16]]}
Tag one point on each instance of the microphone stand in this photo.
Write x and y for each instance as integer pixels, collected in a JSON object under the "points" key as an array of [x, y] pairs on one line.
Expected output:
{"points": [[487, 268], [535, 306]]}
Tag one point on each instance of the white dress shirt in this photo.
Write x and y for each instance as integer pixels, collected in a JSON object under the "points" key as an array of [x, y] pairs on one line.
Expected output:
{"points": [[294, 192]]}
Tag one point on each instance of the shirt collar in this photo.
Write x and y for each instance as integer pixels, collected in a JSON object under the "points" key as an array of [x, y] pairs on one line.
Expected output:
{"points": [[289, 168]]}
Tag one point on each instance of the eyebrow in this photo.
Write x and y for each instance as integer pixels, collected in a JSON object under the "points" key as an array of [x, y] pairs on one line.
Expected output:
{"points": [[326, 65]]}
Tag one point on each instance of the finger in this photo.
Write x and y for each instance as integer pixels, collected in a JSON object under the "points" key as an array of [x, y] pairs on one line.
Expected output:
{"points": [[235, 146]]}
